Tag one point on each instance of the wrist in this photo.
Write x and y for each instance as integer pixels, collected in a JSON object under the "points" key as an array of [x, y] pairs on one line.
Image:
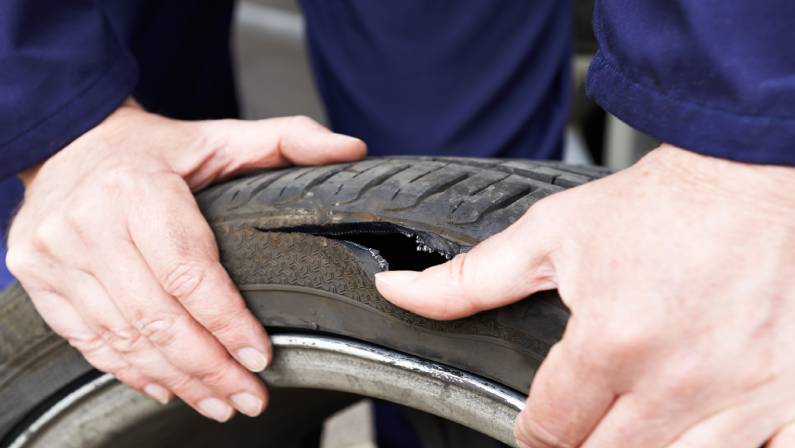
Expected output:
{"points": [[766, 187], [129, 105]]}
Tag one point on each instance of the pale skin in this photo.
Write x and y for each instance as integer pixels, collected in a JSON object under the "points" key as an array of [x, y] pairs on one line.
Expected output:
{"points": [[680, 276], [112, 249]]}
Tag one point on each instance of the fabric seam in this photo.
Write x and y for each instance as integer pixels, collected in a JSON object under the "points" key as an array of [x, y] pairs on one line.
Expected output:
{"points": [[604, 62]]}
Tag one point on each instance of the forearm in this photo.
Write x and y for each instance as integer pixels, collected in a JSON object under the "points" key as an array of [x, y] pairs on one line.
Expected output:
{"points": [[79, 75]]}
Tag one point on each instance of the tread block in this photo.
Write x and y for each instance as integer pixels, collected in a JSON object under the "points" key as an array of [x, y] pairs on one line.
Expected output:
{"points": [[349, 185], [293, 187], [509, 190], [434, 182]]}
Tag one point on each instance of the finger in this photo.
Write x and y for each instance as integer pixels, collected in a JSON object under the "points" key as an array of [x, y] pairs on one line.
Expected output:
{"points": [[746, 426], [784, 438], [305, 142], [65, 321], [185, 344], [93, 303], [179, 248], [277, 142], [567, 399], [84, 314], [502, 269]]}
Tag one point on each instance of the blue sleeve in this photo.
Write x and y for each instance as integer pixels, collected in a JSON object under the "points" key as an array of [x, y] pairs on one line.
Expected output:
{"points": [[713, 76], [62, 70]]}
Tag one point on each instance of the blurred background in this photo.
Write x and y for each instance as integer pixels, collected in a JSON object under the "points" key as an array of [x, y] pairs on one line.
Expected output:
{"points": [[274, 79]]}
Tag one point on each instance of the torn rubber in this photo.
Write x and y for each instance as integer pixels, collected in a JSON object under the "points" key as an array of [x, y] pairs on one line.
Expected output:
{"points": [[382, 246]]}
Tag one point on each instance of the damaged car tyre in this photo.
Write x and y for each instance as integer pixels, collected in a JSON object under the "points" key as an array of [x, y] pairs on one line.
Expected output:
{"points": [[302, 244]]}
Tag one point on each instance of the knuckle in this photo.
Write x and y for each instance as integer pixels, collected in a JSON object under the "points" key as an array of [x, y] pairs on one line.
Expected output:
{"points": [[21, 261], [118, 180], [89, 345], [220, 324], [45, 236], [123, 340], [214, 376], [460, 274], [458, 269], [161, 330], [230, 321], [183, 280], [178, 383], [79, 217], [626, 341]]}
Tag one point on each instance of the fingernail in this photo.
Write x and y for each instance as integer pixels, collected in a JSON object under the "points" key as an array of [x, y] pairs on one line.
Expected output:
{"points": [[157, 392], [521, 444], [216, 409], [396, 277], [253, 359], [247, 403]]}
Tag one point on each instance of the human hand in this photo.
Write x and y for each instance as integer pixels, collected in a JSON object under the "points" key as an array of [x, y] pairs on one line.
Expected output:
{"points": [[112, 249], [680, 276]]}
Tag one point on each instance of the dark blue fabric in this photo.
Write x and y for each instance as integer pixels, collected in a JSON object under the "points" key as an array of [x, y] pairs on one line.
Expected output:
{"points": [[66, 64], [10, 194], [62, 70], [182, 48], [713, 76], [456, 77]]}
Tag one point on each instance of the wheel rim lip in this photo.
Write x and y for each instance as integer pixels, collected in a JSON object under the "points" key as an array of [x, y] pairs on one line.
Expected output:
{"points": [[330, 362]]}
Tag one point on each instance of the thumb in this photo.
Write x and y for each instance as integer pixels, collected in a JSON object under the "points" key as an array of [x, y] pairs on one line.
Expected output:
{"points": [[502, 269], [295, 140], [229, 147]]}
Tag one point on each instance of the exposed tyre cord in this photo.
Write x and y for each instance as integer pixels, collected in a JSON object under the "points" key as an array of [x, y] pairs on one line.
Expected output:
{"points": [[302, 244]]}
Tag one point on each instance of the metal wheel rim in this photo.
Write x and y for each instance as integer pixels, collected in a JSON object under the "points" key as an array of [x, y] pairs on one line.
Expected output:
{"points": [[318, 362]]}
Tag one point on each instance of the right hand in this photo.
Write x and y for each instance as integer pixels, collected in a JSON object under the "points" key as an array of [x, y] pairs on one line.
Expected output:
{"points": [[112, 249]]}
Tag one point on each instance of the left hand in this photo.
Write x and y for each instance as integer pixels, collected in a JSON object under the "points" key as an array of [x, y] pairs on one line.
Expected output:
{"points": [[680, 276]]}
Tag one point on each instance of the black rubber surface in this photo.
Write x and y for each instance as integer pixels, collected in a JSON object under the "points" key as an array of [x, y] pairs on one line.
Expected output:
{"points": [[299, 243]]}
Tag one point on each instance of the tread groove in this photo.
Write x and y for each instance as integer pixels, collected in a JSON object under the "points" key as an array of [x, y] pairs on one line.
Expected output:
{"points": [[441, 188], [261, 187], [504, 202], [369, 168], [305, 173], [489, 184], [428, 172], [455, 207], [376, 181], [320, 179]]}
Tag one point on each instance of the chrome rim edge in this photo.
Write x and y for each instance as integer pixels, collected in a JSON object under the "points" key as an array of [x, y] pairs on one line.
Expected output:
{"points": [[327, 362]]}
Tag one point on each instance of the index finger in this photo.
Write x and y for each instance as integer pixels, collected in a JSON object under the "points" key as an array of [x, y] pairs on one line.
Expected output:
{"points": [[179, 247]]}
